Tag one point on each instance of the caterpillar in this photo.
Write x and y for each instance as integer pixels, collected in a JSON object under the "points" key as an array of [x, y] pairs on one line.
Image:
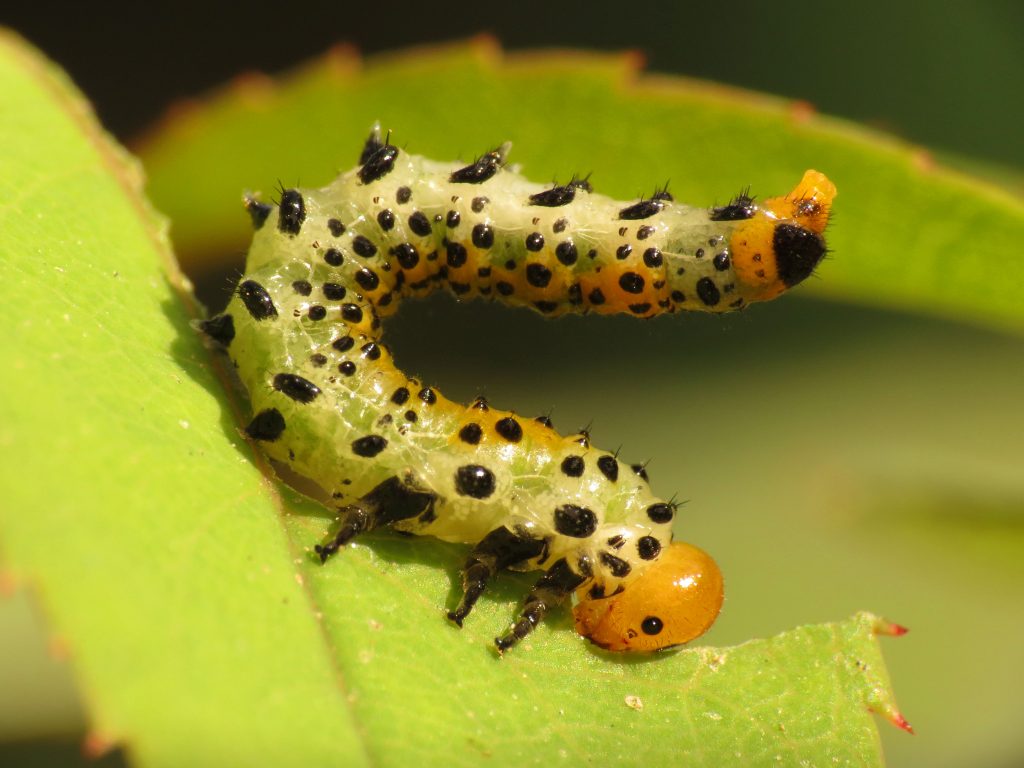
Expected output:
{"points": [[303, 329]]}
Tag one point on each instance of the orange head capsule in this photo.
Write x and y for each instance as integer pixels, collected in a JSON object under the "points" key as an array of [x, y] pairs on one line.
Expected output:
{"points": [[676, 599], [782, 243]]}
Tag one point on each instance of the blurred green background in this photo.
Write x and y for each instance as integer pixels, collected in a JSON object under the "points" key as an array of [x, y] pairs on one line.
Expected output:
{"points": [[887, 474]]}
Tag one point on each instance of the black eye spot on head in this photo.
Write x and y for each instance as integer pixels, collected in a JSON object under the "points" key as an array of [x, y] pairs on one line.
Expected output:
{"points": [[652, 625], [291, 212], [797, 252]]}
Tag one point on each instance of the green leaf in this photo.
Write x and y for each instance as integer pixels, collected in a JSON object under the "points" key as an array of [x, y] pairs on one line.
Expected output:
{"points": [[142, 522], [907, 233], [200, 629]]}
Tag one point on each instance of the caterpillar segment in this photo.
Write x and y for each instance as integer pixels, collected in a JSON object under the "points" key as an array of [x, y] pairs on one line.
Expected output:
{"points": [[304, 327]]}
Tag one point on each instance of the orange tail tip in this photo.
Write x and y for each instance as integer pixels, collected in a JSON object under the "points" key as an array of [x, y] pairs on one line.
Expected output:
{"points": [[809, 203], [816, 186]]}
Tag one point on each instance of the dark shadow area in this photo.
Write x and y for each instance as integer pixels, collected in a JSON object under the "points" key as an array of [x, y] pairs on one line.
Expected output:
{"points": [[57, 753], [936, 78]]}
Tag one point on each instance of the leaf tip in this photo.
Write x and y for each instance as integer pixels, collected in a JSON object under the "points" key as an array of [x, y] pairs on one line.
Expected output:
{"points": [[901, 722], [889, 628]]}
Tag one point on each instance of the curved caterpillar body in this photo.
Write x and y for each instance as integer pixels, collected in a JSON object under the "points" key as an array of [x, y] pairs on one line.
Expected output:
{"points": [[303, 330]]}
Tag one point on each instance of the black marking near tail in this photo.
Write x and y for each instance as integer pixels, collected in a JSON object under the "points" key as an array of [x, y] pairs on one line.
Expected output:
{"points": [[797, 252]]}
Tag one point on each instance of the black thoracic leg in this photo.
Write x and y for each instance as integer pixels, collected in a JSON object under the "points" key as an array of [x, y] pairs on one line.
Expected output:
{"points": [[387, 503], [551, 589], [498, 550]]}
